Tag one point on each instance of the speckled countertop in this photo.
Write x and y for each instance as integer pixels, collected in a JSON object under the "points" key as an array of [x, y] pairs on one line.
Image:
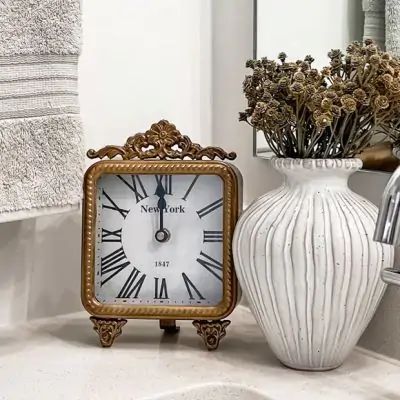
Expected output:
{"points": [[59, 358]]}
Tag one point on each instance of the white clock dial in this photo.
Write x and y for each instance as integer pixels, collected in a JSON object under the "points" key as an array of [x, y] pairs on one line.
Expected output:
{"points": [[159, 239]]}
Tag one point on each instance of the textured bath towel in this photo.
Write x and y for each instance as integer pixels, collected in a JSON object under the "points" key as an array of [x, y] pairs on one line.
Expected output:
{"points": [[41, 141]]}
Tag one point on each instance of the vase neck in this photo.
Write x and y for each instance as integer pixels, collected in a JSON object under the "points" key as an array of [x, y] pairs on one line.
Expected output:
{"points": [[319, 173]]}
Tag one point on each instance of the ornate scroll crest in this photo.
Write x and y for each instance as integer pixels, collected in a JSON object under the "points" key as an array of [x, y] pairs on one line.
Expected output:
{"points": [[211, 332], [162, 141], [108, 329]]}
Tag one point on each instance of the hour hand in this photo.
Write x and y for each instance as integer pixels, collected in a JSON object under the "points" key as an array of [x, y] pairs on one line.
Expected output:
{"points": [[162, 204], [160, 191]]}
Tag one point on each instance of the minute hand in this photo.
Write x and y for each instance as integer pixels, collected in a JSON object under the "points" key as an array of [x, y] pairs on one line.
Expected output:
{"points": [[162, 235], [162, 204]]}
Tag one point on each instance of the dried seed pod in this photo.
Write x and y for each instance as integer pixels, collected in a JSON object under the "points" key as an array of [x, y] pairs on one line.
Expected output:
{"points": [[299, 77], [360, 95], [349, 104], [297, 88], [381, 102], [326, 104]]}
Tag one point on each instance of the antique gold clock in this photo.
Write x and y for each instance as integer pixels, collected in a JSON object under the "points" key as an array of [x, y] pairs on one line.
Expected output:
{"points": [[157, 231]]}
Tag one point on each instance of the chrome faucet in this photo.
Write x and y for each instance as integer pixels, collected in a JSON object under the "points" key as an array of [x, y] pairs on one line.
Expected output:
{"points": [[387, 228], [388, 225]]}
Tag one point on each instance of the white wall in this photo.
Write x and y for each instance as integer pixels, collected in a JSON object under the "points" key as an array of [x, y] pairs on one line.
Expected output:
{"points": [[142, 60]]}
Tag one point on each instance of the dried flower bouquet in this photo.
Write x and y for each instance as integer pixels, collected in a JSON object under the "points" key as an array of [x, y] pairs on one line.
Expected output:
{"points": [[332, 113]]}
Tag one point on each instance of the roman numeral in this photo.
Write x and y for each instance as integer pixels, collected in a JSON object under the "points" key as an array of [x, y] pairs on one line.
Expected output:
{"points": [[189, 286], [210, 208], [190, 188], [160, 289], [212, 236], [165, 181], [113, 264], [113, 206], [132, 285], [111, 236], [211, 265], [136, 186]]}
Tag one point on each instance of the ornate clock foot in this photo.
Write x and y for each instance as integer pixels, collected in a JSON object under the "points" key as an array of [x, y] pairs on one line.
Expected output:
{"points": [[108, 329], [169, 326], [211, 332]]}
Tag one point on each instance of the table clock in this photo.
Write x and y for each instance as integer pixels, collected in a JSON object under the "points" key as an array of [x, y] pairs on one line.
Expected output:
{"points": [[158, 220]]}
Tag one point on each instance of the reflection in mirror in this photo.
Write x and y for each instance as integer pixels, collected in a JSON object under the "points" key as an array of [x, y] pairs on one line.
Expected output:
{"points": [[299, 28]]}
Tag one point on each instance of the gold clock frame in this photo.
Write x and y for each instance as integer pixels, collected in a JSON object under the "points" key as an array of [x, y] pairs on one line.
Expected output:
{"points": [[230, 215], [154, 152]]}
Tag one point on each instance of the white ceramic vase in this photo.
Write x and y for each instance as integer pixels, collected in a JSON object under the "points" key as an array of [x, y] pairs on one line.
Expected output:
{"points": [[308, 265]]}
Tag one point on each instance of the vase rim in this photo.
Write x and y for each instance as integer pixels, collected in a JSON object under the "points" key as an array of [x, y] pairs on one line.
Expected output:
{"points": [[317, 163]]}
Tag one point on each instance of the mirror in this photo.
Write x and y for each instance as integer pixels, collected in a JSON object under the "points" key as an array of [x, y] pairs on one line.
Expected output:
{"points": [[314, 27]]}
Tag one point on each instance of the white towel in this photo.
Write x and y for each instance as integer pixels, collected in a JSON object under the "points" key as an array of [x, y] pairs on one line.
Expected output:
{"points": [[41, 140]]}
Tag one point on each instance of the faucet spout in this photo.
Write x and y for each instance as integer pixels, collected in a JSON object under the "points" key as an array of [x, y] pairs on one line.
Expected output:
{"points": [[387, 229]]}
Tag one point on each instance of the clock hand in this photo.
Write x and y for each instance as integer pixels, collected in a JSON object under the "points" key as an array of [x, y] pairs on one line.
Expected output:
{"points": [[162, 235], [161, 206], [160, 191]]}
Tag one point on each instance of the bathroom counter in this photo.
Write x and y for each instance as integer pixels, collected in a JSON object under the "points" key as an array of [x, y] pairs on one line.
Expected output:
{"points": [[60, 358]]}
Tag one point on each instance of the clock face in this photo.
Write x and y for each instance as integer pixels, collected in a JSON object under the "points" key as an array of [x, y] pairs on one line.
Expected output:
{"points": [[159, 240]]}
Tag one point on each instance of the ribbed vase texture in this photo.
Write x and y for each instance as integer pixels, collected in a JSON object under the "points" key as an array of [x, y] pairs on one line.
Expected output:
{"points": [[308, 265]]}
